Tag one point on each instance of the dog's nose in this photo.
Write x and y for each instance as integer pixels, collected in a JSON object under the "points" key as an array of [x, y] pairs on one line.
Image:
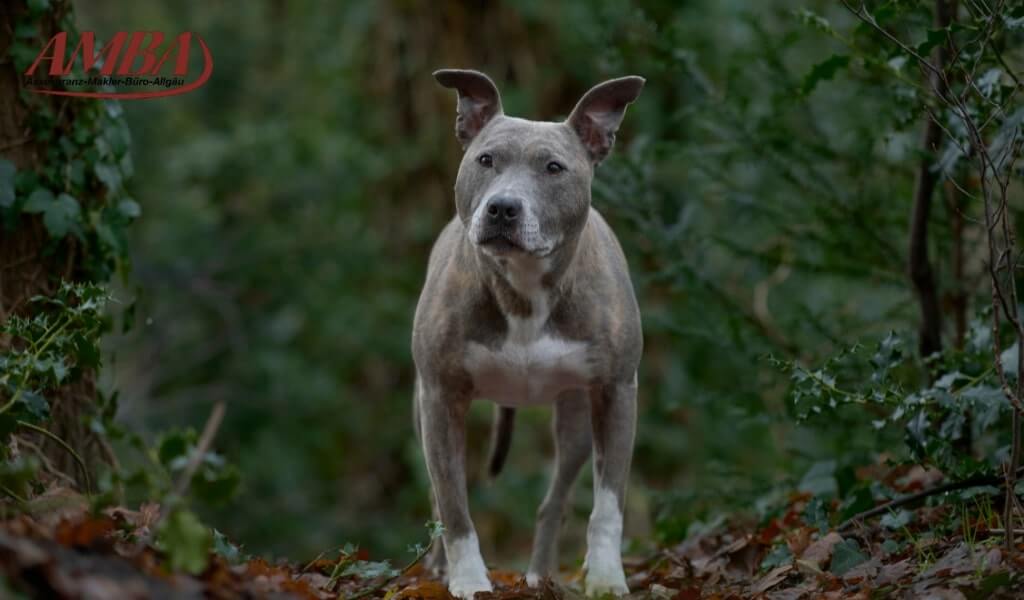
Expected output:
{"points": [[504, 209]]}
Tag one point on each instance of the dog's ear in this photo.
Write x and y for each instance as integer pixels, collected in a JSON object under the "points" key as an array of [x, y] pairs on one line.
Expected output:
{"points": [[599, 112], [479, 101]]}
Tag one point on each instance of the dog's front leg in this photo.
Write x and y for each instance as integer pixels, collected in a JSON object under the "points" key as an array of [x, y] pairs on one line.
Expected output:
{"points": [[443, 422], [613, 416]]}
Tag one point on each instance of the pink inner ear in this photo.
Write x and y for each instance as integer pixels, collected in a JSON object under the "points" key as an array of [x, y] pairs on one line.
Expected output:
{"points": [[596, 131]]}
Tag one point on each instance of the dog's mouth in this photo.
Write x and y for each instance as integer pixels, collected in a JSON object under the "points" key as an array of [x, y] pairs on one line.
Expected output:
{"points": [[501, 244]]}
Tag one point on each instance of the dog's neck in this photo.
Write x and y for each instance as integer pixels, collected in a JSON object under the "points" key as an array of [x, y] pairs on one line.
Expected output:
{"points": [[527, 287]]}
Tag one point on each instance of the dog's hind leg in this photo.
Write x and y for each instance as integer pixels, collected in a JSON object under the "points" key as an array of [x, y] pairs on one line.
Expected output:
{"points": [[572, 429]]}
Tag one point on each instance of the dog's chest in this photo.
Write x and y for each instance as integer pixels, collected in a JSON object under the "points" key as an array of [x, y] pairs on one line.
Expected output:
{"points": [[529, 367]]}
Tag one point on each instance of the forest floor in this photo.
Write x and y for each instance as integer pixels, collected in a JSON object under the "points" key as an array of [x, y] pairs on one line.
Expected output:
{"points": [[61, 549]]}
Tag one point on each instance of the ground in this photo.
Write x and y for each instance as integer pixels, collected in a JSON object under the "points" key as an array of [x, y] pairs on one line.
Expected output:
{"points": [[59, 548]]}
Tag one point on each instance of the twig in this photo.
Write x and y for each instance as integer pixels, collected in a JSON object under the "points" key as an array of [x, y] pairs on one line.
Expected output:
{"points": [[932, 491], [205, 440], [202, 446]]}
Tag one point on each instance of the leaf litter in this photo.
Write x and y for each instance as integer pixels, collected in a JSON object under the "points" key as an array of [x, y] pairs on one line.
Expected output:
{"points": [[63, 550]]}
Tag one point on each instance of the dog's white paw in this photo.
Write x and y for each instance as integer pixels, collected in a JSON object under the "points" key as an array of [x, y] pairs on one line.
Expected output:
{"points": [[467, 573], [533, 579], [465, 588], [604, 573], [604, 580]]}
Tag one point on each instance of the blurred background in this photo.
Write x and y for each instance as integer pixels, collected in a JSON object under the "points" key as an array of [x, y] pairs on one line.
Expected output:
{"points": [[289, 206]]}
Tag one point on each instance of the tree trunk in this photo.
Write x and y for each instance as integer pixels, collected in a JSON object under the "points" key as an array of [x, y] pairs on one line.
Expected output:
{"points": [[922, 274], [25, 269]]}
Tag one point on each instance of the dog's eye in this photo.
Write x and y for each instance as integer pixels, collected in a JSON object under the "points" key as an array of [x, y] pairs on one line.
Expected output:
{"points": [[554, 167], [486, 160]]}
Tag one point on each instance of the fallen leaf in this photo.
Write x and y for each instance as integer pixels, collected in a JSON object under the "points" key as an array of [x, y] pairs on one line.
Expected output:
{"points": [[424, 590], [820, 551], [770, 580], [84, 533]]}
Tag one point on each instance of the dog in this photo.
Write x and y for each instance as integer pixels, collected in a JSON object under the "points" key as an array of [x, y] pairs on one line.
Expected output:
{"points": [[528, 301]]}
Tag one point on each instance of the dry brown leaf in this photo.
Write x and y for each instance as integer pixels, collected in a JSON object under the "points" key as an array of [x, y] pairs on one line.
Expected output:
{"points": [[83, 533], [770, 580], [424, 590], [893, 573], [820, 551]]}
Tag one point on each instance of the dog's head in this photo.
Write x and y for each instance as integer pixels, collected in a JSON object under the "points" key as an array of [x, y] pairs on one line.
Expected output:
{"points": [[524, 186]]}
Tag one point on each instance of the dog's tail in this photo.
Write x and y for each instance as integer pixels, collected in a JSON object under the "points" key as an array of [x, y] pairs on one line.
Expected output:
{"points": [[501, 438]]}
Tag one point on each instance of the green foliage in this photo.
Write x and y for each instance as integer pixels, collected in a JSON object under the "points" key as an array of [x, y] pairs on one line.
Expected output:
{"points": [[49, 349], [760, 187], [79, 190], [186, 541]]}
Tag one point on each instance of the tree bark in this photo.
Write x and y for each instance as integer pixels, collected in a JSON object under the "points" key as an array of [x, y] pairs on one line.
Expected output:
{"points": [[27, 269], [920, 270]]}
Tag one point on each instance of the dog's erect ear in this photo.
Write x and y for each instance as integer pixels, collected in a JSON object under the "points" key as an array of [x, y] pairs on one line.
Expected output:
{"points": [[479, 101], [598, 114]]}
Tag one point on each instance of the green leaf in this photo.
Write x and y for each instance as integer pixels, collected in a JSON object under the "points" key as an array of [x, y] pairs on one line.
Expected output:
{"points": [[820, 479], [824, 71], [217, 486], [7, 171], [858, 501], [38, 201], [109, 175], [897, 520], [228, 551], [935, 38], [38, 6], [845, 556], [129, 208], [174, 445], [891, 546], [62, 215], [365, 569], [37, 405], [186, 541], [780, 555]]}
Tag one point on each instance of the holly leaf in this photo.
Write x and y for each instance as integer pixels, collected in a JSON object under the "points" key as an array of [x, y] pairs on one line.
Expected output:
{"points": [[228, 551], [824, 71]]}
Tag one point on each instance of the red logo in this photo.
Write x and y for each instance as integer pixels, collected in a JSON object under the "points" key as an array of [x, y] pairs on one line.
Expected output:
{"points": [[116, 69]]}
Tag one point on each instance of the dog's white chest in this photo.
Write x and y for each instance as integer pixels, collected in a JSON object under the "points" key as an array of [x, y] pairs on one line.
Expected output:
{"points": [[525, 372]]}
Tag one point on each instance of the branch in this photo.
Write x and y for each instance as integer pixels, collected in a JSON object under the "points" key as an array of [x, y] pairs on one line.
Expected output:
{"points": [[921, 495]]}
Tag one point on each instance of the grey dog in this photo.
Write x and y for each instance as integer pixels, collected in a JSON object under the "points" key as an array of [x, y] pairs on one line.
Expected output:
{"points": [[528, 301]]}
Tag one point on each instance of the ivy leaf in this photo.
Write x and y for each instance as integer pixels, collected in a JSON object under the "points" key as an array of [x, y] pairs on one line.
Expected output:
{"points": [[7, 170], [38, 6], [824, 71], [38, 201], [845, 556], [820, 479], [897, 520], [365, 569], [129, 208], [186, 541], [62, 215], [109, 175]]}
